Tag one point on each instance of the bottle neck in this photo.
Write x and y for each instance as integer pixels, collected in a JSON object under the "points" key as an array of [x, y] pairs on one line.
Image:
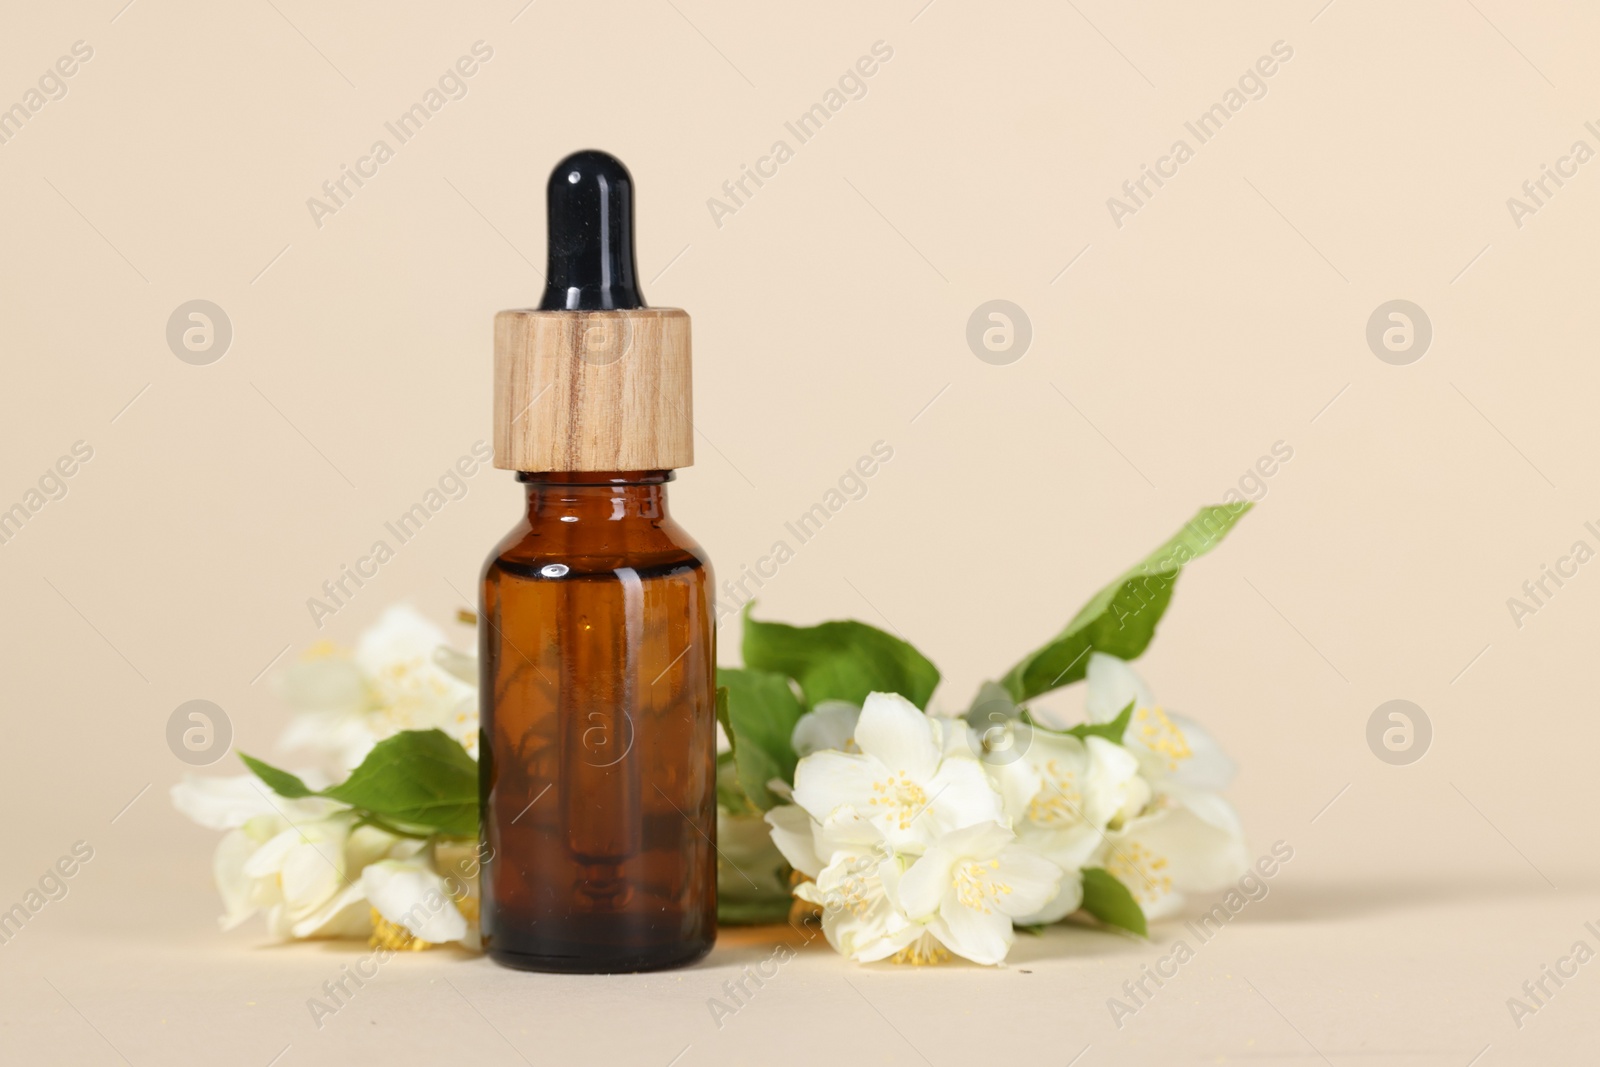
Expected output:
{"points": [[590, 496]]}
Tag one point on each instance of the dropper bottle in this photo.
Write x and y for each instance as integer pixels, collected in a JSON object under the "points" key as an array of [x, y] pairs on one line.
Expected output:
{"points": [[598, 753]]}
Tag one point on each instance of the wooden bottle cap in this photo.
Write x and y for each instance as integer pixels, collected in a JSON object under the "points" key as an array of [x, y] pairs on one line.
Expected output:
{"points": [[592, 390]]}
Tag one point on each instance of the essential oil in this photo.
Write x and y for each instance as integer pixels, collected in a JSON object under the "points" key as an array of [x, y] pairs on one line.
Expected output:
{"points": [[598, 755]]}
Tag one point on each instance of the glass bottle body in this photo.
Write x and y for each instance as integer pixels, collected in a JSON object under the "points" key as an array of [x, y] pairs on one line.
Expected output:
{"points": [[597, 702]]}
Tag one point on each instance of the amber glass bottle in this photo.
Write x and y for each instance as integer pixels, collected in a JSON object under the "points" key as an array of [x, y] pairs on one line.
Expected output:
{"points": [[600, 792], [598, 756]]}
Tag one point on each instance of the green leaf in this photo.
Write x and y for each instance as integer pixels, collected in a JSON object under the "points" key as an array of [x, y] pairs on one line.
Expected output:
{"points": [[416, 780], [1031, 929], [1109, 901], [758, 711], [732, 911], [730, 794], [280, 782], [842, 660], [416, 783], [1121, 619], [1112, 731], [722, 711], [752, 875]]}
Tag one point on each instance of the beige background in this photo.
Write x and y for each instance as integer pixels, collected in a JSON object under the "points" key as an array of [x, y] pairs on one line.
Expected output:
{"points": [[1228, 314]]}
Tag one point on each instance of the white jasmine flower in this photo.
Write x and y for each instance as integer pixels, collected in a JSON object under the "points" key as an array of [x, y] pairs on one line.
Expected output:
{"points": [[791, 827], [969, 886], [312, 871], [829, 725], [1059, 783], [459, 665], [409, 892], [1189, 839], [229, 803], [241, 895], [304, 862], [397, 679], [854, 876], [253, 818], [992, 711], [1174, 752], [901, 780], [307, 877], [464, 669], [957, 739], [460, 863], [859, 917], [810, 844], [1174, 849], [1061, 793]]}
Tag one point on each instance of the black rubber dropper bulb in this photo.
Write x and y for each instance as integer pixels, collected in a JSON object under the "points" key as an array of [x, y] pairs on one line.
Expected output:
{"points": [[591, 267]]}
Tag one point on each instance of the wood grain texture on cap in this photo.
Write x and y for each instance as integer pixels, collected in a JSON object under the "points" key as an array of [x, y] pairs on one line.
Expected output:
{"points": [[592, 390]]}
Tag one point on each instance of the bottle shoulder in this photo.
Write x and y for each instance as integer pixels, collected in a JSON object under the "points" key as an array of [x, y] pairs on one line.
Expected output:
{"points": [[655, 546]]}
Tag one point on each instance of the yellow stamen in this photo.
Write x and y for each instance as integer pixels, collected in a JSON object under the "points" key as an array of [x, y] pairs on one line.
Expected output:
{"points": [[394, 937], [976, 887], [903, 798], [1141, 870], [1059, 801], [1161, 735], [924, 951]]}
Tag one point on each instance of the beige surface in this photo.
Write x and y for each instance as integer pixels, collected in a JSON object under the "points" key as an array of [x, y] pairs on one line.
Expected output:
{"points": [[1169, 355]]}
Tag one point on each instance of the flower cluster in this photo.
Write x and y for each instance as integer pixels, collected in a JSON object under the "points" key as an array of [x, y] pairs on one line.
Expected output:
{"points": [[923, 836], [312, 865], [402, 676], [917, 835]]}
